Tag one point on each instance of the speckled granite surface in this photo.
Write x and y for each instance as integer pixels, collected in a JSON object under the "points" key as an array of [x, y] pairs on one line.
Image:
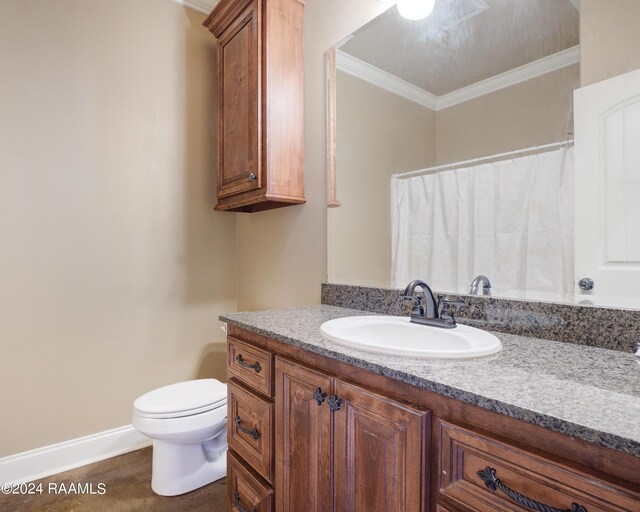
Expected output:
{"points": [[615, 329], [585, 392]]}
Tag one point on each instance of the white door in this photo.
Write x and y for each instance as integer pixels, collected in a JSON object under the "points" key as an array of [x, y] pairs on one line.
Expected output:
{"points": [[607, 185]]}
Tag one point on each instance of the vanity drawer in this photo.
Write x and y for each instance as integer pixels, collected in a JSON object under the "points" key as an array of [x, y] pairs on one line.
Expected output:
{"points": [[250, 429], [245, 490], [522, 476], [251, 365]]}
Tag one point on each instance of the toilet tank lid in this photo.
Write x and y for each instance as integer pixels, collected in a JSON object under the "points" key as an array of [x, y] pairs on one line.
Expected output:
{"points": [[182, 396]]}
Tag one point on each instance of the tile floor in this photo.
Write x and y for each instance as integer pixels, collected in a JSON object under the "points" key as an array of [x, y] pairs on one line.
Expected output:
{"points": [[127, 482]]}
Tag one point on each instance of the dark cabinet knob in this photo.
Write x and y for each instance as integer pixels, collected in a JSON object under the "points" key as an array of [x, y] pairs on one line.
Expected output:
{"points": [[335, 403], [319, 396]]}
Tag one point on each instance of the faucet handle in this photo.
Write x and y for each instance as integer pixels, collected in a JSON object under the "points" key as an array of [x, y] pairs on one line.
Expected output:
{"points": [[453, 302], [418, 308], [443, 308]]}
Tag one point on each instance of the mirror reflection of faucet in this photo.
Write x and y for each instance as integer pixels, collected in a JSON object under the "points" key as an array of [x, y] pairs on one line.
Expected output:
{"points": [[475, 285], [436, 313]]}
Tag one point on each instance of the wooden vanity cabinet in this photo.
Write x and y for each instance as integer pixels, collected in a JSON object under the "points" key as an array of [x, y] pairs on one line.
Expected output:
{"points": [[345, 439], [260, 122], [481, 474], [341, 447], [250, 428]]}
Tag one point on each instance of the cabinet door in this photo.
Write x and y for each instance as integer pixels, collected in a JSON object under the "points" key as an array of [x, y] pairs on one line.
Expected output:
{"points": [[379, 453], [303, 439], [239, 166]]}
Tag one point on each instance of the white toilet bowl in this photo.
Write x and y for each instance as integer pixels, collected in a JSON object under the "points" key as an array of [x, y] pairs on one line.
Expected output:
{"points": [[188, 424]]}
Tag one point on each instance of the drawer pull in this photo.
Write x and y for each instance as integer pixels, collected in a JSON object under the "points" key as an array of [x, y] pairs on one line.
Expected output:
{"points": [[255, 366], [236, 498], [334, 403], [488, 476], [253, 433], [319, 396]]}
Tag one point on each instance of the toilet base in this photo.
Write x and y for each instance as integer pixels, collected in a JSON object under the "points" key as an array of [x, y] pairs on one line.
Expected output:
{"points": [[180, 468]]}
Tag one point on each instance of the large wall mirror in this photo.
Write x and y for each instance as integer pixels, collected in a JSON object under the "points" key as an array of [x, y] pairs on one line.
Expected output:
{"points": [[455, 157]]}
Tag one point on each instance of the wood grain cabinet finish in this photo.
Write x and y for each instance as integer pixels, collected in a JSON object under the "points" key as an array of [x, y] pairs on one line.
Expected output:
{"points": [[340, 447], [251, 365], [380, 453], [246, 492], [481, 474], [357, 446], [303, 439], [250, 429], [260, 145], [440, 508]]}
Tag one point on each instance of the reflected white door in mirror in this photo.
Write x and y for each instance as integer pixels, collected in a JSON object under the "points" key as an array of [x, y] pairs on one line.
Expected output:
{"points": [[607, 181]]}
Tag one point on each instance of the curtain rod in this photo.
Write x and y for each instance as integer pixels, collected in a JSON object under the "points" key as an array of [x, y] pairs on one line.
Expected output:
{"points": [[508, 154]]}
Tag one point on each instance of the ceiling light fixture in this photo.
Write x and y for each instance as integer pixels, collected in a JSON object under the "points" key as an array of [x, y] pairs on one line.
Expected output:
{"points": [[416, 9]]}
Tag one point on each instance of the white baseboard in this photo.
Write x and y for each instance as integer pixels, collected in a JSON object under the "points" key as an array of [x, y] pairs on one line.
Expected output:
{"points": [[56, 458]]}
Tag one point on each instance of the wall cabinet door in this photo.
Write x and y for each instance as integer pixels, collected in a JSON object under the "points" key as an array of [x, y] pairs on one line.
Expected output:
{"points": [[342, 448], [260, 146], [238, 90], [303, 439], [379, 450]]}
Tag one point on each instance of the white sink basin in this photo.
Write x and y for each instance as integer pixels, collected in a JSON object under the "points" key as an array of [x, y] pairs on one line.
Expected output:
{"points": [[396, 335]]}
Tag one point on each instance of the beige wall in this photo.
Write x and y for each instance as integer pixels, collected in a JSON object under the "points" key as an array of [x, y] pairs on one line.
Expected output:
{"points": [[282, 254], [378, 133], [609, 38], [113, 266], [532, 113]]}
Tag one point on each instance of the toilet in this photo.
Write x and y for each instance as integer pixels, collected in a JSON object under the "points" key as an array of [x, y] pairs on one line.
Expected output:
{"points": [[188, 424]]}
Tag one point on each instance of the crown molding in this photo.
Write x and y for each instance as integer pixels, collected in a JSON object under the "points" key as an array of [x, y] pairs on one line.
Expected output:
{"points": [[391, 83], [376, 76], [514, 76], [205, 6]]}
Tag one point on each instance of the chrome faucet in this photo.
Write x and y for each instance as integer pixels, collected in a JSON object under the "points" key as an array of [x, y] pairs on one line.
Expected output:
{"points": [[437, 313], [475, 285]]}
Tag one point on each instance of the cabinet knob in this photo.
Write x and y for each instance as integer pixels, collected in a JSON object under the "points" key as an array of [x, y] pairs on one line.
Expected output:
{"points": [[252, 177], [334, 403], [319, 396]]}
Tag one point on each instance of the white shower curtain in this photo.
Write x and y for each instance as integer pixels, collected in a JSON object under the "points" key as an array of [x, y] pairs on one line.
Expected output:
{"points": [[510, 220]]}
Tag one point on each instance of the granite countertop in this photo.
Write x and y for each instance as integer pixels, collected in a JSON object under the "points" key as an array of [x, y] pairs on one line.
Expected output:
{"points": [[585, 392]]}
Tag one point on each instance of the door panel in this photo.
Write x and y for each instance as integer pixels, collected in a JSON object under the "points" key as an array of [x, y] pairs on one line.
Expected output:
{"points": [[238, 92], [303, 439], [379, 453], [607, 181]]}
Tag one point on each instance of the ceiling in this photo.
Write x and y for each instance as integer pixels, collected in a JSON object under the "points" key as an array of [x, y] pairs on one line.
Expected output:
{"points": [[465, 41], [205, 6]]}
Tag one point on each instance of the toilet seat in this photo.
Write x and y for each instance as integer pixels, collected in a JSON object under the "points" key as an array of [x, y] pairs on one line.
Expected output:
{"points": [[182, 399]]}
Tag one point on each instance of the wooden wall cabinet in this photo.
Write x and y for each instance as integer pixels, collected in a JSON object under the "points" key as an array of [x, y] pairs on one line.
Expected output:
{"points": [[260, 125], [343, 439]]}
